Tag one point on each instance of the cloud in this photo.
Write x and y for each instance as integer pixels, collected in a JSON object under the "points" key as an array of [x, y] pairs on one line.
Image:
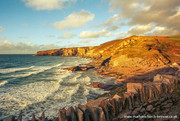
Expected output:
{"points": [[95, 34], [140, 29], [8, 47], [48, 4], [74, 20], [1, 29], [163, 31], [67, 36], [87, 41], [163, 13], [111, 23], [2, 38]]}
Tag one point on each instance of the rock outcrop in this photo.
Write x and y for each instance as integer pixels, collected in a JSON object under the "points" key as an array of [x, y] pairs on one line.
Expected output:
{"points": [[153, 100], [129, 56], [77, 51]]}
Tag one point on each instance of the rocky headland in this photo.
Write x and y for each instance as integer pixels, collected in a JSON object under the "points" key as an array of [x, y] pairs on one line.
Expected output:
{"points": [[149, 70]]}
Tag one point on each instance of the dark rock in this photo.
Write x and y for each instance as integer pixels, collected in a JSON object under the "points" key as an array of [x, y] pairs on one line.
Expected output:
{"points": [[33, 118], [103, 105], [11, 118], [20, 116], [149, 108], [142, 110], [70, 113], [92, 111], [80, 114], [62, 115], [101, 115], [82, 107], [42, 118]]}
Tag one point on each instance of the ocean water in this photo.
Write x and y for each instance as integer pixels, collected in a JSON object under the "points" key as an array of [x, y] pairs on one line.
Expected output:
{"points": [[36, 84]]}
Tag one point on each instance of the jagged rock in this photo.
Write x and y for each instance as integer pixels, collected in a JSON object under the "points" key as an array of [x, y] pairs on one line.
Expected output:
{"points": [[96, 102], [128, 101], [11, 118], [33, 118], [42, 118], [82, 107], [133, 87], [114, 105], [62, 115], [103, 105], [101, 115], [80, 114], [20, 116], [70, 113], [93, 113]]}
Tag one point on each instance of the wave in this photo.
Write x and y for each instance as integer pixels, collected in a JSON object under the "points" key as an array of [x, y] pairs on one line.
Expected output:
{"points": [[36, 70], [12, 70], [3, 83]]}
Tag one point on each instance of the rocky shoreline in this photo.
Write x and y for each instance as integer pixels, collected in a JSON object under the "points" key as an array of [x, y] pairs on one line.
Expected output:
{"points": [[149, 81], [150, 100]]}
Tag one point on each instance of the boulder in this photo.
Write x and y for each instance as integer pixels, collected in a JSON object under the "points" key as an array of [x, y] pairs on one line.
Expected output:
{"points": [[133, 87]]}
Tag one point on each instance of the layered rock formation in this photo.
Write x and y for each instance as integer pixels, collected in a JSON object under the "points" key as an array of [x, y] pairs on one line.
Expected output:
{"points": [[130, 56], [78, 51]]}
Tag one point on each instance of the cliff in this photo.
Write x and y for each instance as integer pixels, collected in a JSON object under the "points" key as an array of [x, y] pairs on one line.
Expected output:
{"points": [[77, 51], [130, 56]]}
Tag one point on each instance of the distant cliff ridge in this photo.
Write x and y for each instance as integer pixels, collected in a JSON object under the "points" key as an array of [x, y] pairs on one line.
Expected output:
{"points": [[125, 56], [76, 51]]}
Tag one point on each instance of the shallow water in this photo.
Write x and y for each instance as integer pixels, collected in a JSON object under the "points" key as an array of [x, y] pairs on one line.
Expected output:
{"points": [[35, 84]]}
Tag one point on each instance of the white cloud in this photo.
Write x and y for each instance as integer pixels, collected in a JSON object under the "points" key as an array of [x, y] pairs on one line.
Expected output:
{"points": [[8, 47], [140, 29], [2, 38], [163, 13], [48, 4], [112, 23], [87, 41], [74, 20], [111, 20], [95, 34], [1, 29], [67, 36], [163, 31]]}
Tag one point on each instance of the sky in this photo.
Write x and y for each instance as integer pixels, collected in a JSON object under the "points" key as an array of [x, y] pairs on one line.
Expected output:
{"points": [[28, 26]]}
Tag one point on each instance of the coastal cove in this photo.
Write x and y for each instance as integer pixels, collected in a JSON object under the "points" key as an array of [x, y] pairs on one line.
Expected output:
{"points": [[147, 73], [37, 83]]}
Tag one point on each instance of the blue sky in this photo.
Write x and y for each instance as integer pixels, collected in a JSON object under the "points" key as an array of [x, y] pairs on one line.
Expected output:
{"points": [[27, 26]]}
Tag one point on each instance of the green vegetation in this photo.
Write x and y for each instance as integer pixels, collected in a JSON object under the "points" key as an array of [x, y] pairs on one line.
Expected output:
{"points": [[174, 38]]}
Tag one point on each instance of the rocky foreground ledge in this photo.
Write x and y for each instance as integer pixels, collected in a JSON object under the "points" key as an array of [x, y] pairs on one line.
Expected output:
{"points": [[157, 100]]}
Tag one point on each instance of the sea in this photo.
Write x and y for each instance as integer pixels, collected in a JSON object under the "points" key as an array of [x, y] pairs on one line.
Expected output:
{"points": [[36, 84]]}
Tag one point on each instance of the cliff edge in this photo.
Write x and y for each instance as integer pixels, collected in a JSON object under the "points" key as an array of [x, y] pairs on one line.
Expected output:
{"points": [[127, 57]]}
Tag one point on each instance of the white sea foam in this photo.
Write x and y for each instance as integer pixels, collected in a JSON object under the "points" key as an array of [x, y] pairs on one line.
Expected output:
{"points": [[17, 98], [11, 70], [36, 70], [3, 83]]}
